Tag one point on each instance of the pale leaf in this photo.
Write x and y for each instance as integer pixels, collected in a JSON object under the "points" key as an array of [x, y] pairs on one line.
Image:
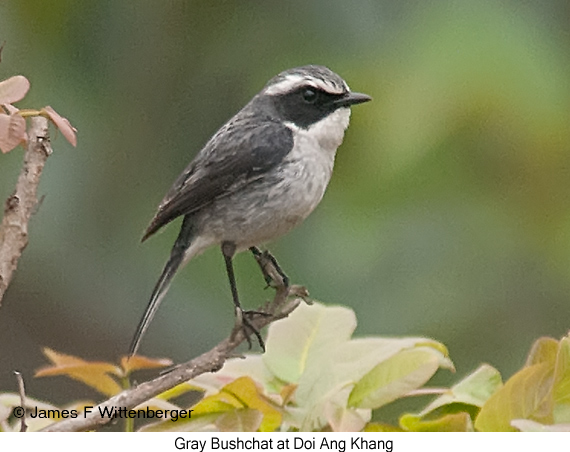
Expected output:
{"points": [[12, 132], [13, 89], [67, 130]]}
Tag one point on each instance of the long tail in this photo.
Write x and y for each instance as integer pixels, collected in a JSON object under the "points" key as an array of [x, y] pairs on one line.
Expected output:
{"points": [[182, 243]]}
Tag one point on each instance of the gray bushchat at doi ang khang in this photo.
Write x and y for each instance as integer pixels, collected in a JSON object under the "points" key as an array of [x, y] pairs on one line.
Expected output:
{"points": [[257, 178]]}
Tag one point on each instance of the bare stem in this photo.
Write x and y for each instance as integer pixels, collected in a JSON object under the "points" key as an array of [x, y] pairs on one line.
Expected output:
{"points": [[211, 361], [20, 205], [22, 391]]}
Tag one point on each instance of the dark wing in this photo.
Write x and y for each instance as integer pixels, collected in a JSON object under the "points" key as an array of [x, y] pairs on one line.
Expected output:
{"points": [[240, 152]]}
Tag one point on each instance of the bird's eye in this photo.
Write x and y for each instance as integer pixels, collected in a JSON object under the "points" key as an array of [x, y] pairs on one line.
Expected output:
{"points": [[310, 95]]}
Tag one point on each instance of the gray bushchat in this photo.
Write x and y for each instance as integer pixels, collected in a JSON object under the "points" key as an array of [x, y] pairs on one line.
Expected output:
{"points": [[259, 176]]}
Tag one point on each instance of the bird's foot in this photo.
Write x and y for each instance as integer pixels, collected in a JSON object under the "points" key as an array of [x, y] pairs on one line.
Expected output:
{"points": [[301, 292], [244, 323], [272, 273]]}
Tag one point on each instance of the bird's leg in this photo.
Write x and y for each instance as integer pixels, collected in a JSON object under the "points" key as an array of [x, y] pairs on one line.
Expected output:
{"points": [[228, 250], [258, 255], [265, 259]]}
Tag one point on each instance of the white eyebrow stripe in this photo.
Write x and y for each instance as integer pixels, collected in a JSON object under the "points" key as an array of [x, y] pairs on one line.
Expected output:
{"points": [[286, 85], [292, 82]]}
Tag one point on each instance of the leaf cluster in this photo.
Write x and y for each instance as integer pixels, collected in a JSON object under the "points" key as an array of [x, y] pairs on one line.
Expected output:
{"points": [[12, 120], [315, 377]]}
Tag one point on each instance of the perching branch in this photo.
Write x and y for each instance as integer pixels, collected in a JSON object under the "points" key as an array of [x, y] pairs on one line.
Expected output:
{"points": [[211, 361], [20, 206]]}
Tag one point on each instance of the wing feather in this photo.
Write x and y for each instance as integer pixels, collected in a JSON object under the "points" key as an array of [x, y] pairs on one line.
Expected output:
{"points": [[242, 151]]}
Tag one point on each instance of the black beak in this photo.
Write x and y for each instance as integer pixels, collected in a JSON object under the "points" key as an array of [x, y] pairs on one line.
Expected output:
{"points": [[352, 99]]}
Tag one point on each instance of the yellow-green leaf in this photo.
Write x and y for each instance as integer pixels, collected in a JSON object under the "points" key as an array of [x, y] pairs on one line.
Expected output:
{"points": [[561, 387], [380, 427], [543, 350], [459, 422], [242, 420], [526, 395], [215, 404], [395, 377], [304, 336], [475, 389], [240, 394], [178, 390]]}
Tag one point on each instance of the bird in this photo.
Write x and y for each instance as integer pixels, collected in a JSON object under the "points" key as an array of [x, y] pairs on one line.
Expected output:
{"points": [[260, 175]]}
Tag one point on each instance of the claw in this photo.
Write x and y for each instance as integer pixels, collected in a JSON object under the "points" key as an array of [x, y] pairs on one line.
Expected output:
{"points": [[268, 264], [243, 324]]}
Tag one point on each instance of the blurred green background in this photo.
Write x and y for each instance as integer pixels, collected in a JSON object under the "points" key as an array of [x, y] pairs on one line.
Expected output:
{"points": [[448, 214]]}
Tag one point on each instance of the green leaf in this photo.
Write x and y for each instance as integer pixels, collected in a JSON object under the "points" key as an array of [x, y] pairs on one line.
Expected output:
{"points": [[178, 390], [240, 394], [380, 427], [396, 376], [301, 338], [239, 406], [312, 364], [475, 389], [244, 420], [543, 350], [250, 365], [459, 422], [324, 381], [330, 374], [561, 386], [526, 395]]}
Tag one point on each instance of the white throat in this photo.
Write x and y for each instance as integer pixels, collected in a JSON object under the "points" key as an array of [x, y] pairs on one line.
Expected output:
{"points": [[327, 133]]}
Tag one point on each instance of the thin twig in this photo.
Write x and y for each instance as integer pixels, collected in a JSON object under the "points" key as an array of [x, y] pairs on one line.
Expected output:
{"points": [[426, 391], [20, 206], [22, 391], [211, 361]]}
